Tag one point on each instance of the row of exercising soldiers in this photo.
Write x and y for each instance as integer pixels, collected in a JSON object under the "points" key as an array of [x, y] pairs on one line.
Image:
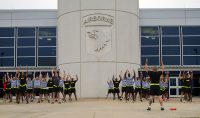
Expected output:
{"points": [[132, 86], [186, 88], [23, 86]]}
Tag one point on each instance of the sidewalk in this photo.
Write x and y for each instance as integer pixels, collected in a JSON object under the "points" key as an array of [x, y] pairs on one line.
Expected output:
{"points": [[100, 108]]}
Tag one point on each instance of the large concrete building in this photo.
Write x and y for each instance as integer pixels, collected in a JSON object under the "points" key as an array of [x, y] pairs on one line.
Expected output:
{"points": [[96, 39]]}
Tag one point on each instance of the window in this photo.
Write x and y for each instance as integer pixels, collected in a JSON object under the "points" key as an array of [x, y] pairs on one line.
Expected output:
{"points": [[171, 50], [191, 30], [47, 61], [153, 60], [24, 61], [47, 41], [24, 32], [191, 40], [191, 50], [191, 60], [47, 51], [47, 31], [26, 51], [4, 52], [171, 60], [6, 62], [47, 46], [170, 40], [149, 40], [150, 51], [26, 42], [6, 32], [149, 31], [6, 42], [170, 30]]}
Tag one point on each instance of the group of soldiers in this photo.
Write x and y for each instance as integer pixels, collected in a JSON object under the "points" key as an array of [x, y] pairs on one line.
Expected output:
{"points": [[26, 87], [131, 86], [155, 83], [186, 88]]}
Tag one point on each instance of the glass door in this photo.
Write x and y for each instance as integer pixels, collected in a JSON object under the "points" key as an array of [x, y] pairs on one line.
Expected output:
{"points": [[174, 87]]}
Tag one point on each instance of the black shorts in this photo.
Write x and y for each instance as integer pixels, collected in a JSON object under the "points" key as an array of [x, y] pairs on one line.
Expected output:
{"points": [[72, 90], [155, 90], [145, 90], [8, 91], [166, 90], [15, 90], [61, 89], [22, 89], [110, 91], [56, 89], [50, 90], [130, 89], [162, 91], [138, 90], [124, 89], [37, 91], [43, 91], [116, 90], [67, 91], [29, 90], [188, 90]]}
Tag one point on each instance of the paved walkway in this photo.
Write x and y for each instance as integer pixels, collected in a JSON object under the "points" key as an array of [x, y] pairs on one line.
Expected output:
{"points": [[100, 108]]}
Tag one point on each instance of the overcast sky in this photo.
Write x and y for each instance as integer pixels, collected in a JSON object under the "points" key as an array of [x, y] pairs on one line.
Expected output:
{"points": [[52, 4]]}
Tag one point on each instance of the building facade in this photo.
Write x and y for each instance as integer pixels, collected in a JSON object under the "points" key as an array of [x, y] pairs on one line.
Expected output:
{"points": [[43, 39]]}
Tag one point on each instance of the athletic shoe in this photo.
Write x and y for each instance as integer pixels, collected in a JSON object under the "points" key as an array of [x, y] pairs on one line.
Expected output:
{"points": [[162, 109], [149, 109]]}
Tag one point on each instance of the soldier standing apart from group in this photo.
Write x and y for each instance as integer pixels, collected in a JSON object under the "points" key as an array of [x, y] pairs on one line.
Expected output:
{"points": [[154, 75]]}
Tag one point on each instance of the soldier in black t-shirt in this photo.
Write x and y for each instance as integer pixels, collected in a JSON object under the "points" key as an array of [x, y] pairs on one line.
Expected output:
{"points": [[116, 83], [22, 87], [154, 75], [188, 86], [56, 80]]}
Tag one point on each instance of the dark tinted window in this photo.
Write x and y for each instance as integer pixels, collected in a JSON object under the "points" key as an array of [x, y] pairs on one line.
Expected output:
{"points": [[170, 30], [47, 31], [151, 60], [6, 42], [6, 52], [149, 31], [171, 60], [191, 50], [6, 62], [195, 40], [170, 41], [26, 51], [26, 32], [191, 60], [6, 32], [191, 30], [47, 41], [47, 51], [30, 61], [26, 42], [150, 51], [47, 61], [149, 40], [171, 50]]}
